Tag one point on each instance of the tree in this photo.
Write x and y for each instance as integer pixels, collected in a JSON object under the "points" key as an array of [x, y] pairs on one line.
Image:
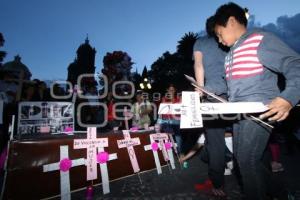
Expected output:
{"points": [[116, 67], [170, 68], [163, 71], [136, 79], [186, 44]]}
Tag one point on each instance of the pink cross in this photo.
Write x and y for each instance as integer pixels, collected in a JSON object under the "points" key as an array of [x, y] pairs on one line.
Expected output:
{"points": [[161, 138], [129, 143], [91, 144]]}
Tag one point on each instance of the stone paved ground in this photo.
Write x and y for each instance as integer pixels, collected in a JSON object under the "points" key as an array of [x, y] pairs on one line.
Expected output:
{"points": [[171, 184], [179, 183]]}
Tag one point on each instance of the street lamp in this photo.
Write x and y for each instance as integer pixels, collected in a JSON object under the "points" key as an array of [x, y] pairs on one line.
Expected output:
{"points": [[145, 84]]}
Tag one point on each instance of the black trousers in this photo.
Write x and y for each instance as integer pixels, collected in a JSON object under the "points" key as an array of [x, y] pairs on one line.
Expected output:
{"points": [[214, 150]]}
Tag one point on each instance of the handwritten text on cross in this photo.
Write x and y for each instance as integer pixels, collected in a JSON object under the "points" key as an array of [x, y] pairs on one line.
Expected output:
{"points": [[129, 143], [91, 144]]}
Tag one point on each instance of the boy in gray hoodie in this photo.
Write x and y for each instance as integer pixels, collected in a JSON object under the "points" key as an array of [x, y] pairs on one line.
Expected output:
{"points": [[252, 66]]}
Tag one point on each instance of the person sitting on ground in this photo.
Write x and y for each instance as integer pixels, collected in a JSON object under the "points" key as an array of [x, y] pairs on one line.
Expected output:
{"points": [[200, 143]]}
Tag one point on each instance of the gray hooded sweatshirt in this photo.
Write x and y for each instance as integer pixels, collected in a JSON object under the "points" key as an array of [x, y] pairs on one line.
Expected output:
{"points": [[252, 67]]}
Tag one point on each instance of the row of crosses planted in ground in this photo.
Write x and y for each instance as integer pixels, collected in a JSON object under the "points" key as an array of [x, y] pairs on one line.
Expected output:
{"points": [[97, 155]]}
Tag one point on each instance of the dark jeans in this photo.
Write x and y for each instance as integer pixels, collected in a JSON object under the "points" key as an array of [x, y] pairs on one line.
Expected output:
{"points": [[249, 142], [215, 148]]}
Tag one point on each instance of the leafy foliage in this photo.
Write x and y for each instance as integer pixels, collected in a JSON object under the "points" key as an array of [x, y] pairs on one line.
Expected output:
{"points": [[117, 66], [170, 68], [136, 79], [185, 45]]}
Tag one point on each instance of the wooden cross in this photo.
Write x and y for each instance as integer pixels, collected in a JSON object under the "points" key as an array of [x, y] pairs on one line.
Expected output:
{"points": [[164, 145], [102, 158], [129, 143], [64, 165], [91, 144]]}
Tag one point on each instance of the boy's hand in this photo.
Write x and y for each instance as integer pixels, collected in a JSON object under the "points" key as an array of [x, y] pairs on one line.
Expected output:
{"points": [[181, 158], [279, 109], [199, 91]]}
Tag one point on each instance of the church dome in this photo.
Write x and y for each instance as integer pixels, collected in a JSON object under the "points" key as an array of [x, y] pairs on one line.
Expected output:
{"points": [[73, 66], [86, 47], [15, 67]]}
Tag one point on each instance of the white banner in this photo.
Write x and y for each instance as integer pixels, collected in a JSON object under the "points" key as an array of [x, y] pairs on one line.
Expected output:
{"points": [[45, 117]]}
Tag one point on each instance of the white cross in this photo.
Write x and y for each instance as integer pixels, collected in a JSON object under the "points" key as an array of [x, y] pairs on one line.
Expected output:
{"points": [[91, 144], [191, 110], [103, 168], [162, 139], [64, 165], [75, 91], [129, 143], [174, 144], [126, 115]]}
